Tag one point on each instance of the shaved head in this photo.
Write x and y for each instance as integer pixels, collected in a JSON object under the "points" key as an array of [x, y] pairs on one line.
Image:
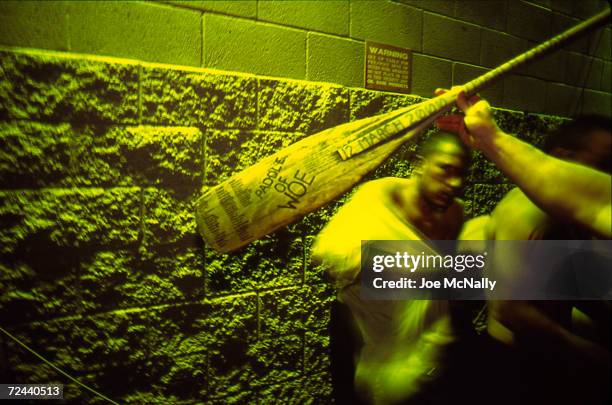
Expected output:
{"points": [[447, 143]]}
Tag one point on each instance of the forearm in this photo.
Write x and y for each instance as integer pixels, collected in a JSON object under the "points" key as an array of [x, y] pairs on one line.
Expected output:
{"points": [[561, 188]]}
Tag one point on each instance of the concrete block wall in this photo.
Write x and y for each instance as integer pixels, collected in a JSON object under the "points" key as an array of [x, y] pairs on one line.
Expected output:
{"points": [[452, 40], [102, 270]]}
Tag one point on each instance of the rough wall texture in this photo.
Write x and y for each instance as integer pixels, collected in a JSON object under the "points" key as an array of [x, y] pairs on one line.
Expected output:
{"points": [[453, 41], [101, 269]]}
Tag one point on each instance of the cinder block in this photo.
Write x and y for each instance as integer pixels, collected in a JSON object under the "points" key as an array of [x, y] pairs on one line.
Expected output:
{"points": [[174, 333], [550, 67], [482, 170], [325, 16], [508, 120], [44, 87], [92, 343], [562, 100], [387, 23], [577, 69], [123, 278], [583, 71], [34, 155], [170, 157], [543, 3], [235, 388], [70, 217], [39, 283], [136, 356], [318, 306], [606, 78], [346, 66], [587, 8], [468, 199], [321, 385], [178, 376], [367, 103], [31, 24], [488, 13], [463, 73], [529, 21], [524, 93], [277, 360], [561, 23], [529, 127], [187, 98], [564, 6], [232, 326], [498, 48], [300, 107], [274, 261], [597, 102], [53, 339], [451, 39], [439, 6], [107, 279], [182, 267], [486, 197], [300, 391], [536, 128], [247, 46], [230, 317], [430, 73], [601, 44], [135, 30], [281, 313], [18, 362], [241, 8], [167, 219], [316, 353]]}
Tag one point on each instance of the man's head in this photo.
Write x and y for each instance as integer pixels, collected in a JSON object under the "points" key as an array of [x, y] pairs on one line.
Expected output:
{"points": [[441, 174], [586, 139]]}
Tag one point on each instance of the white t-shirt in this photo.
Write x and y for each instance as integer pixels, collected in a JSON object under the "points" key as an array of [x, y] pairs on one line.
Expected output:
{"points": [[404, 341]]}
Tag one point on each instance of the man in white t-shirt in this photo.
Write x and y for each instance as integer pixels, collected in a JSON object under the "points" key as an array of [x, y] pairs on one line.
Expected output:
{"points": [[403, 341]]}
